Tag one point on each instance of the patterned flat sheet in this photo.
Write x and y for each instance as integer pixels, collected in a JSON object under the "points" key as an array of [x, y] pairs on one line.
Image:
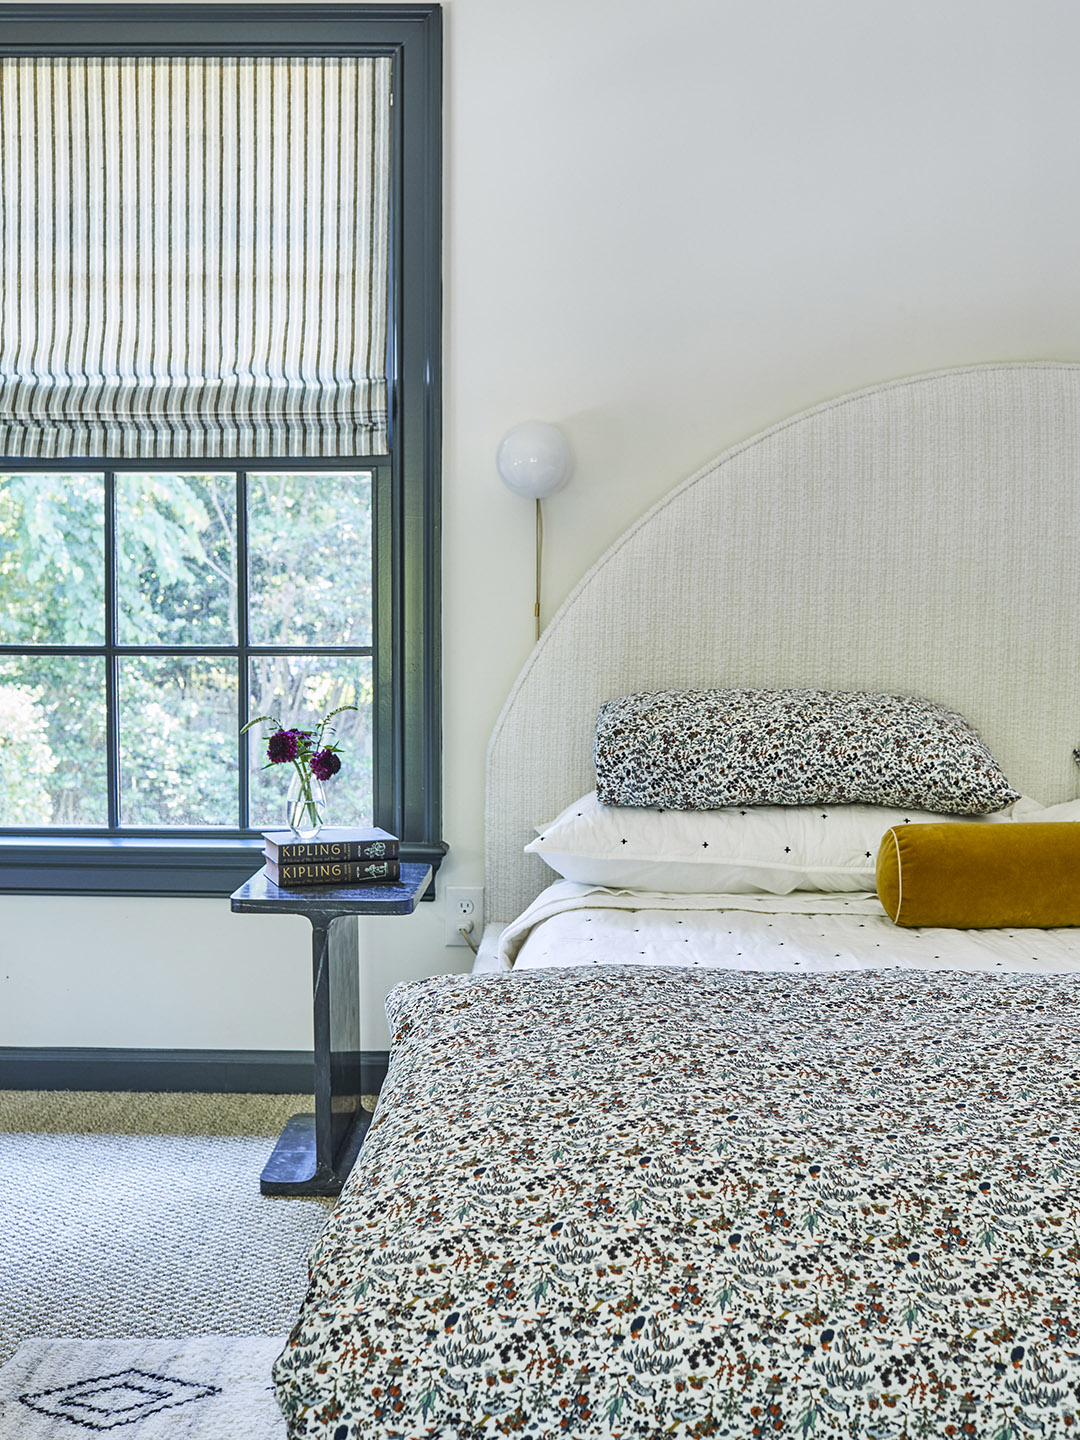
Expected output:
{"points": [[618, 1202]]}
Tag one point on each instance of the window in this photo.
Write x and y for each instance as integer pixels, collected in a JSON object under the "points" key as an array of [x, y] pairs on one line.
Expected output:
{"points": [[225, 602], [217, 499]]}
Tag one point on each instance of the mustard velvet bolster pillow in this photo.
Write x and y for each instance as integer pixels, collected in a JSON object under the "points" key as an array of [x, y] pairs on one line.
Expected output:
{"points": [[981, 877]]}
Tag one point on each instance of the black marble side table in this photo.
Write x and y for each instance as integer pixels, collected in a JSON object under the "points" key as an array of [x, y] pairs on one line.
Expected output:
{"points": [[316, 1152]]}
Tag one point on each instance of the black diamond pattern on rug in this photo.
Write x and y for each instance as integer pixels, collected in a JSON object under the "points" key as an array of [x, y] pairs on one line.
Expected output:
{"points": [[103, 1402]]}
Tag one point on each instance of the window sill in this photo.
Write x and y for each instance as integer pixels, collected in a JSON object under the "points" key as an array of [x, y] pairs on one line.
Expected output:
{"points": [[107, 865]]}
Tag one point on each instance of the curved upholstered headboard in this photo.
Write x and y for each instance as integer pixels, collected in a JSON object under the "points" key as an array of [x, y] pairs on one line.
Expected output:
{"points": [[920, 536]]}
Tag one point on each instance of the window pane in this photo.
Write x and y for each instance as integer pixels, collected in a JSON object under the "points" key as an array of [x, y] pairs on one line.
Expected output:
{"points": [[299, 690], [52, 559], [178, 751], [176, 559], [309, 538], [55, 774]]}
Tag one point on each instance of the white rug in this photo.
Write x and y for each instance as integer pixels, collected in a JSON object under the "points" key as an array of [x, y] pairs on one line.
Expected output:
{"points": [[207, 1387]]}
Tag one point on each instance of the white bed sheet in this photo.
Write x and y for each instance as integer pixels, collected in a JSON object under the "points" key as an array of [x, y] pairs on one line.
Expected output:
{"points": [[570, 924]]}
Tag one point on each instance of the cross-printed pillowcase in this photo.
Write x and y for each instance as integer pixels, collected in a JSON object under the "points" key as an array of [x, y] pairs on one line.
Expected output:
{"points": [[704, 749], [766, 849]]}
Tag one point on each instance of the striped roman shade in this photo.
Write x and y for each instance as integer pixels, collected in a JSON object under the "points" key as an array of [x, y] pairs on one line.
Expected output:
{"points": [[194, 256]]}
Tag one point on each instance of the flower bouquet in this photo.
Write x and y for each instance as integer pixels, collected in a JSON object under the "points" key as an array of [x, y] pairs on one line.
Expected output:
{"points": [[314, 762]]}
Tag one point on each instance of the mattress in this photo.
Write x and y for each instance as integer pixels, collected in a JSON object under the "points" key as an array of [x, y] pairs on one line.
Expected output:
{"points": [[571, 925], [633, 1201]]}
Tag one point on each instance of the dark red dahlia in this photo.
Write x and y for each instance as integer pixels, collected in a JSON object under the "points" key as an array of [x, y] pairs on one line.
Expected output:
{"points": [[283, 745], [324, 763]]}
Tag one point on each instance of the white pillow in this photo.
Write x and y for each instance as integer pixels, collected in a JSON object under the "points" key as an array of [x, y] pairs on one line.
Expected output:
{"points": [[1067, 812], [772, 849]]}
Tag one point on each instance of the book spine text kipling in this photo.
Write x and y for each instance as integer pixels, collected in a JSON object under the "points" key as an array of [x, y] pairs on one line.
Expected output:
{"points": [[334, 872], [340, 850]]}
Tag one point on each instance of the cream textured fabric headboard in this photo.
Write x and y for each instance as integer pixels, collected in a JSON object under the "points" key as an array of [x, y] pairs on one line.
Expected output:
{"points": [[921, 536]]}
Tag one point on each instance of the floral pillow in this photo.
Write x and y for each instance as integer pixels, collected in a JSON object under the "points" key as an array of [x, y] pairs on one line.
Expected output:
{"points": [[705, 749]]}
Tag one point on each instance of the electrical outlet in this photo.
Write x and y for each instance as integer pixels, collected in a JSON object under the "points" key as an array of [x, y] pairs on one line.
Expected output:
{"points": [[464, 911]]}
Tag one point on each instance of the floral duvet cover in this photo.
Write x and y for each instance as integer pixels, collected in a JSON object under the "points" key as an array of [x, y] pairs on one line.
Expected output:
{"points": [[624, 1203]]}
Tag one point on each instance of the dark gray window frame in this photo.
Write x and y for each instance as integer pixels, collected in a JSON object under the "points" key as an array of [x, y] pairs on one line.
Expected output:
{"points": [[407, 779]]}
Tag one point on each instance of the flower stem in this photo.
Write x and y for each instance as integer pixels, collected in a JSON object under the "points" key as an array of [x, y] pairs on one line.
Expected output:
{"points": [[305, 782]]}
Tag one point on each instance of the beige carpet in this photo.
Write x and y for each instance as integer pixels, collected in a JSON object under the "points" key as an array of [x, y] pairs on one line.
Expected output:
{"points": [[126, 1215]]}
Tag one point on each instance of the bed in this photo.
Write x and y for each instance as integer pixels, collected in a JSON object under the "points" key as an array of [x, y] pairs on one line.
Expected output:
{"points": [[742, 1165]]}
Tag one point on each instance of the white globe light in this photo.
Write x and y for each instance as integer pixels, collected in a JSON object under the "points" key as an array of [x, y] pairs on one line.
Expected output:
{"points": [[534, 459]]}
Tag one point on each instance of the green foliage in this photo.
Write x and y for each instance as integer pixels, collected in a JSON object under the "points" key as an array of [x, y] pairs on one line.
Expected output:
{"points": [[178, 741], [304, 590], [176, 559], [177, 585], [69, 695], [52, 560], [26, 761]]}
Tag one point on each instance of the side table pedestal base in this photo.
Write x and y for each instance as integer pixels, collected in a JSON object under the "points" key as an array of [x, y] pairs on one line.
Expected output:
{"points": [[315, 1153], [293, 1167]]}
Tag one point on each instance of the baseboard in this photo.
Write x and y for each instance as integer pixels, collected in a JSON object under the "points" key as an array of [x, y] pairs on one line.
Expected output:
{"points": [[242, 1072]]}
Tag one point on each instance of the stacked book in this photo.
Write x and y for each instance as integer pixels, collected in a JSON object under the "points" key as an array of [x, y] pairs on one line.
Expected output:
{"points": [[334, 857]]}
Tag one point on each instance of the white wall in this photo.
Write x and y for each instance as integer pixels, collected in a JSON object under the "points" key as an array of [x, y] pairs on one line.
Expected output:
{"points": [[668, 224]]}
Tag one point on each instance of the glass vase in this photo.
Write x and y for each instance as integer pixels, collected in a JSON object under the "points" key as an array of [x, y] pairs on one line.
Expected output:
{"points": [[305, 806]]}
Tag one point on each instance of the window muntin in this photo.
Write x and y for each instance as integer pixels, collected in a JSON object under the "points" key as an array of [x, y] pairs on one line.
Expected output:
{"points": [[231, 595]]}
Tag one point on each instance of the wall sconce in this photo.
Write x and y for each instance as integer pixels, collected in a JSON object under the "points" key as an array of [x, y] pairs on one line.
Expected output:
{"points": [[534, 460]]}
